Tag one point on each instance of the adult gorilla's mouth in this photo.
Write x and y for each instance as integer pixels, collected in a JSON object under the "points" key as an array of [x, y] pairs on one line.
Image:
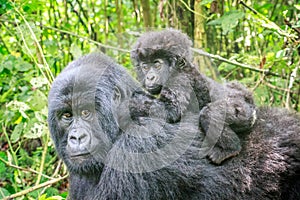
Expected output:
{"points": [[80, 155]]}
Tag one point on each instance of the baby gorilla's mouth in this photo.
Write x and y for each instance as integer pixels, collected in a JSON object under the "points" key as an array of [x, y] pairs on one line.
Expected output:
{"points": [[154, 89]]}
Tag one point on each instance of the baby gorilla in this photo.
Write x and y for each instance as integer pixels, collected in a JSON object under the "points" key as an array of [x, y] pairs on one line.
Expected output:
{"points": [[163, 62]]}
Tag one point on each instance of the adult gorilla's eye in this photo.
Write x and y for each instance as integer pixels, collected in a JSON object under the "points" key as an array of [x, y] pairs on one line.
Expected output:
{"points": [[66, 116], [85, 113]]}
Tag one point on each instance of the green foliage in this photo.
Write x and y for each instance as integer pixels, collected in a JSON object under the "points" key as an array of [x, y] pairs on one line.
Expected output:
{"points": [[38, 39], [228, 21], [5, 6], [44, 197], [263, 35], [204, 2]]}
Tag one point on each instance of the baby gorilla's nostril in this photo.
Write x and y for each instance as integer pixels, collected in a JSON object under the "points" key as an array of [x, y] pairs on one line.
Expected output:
{"points": [[151, 78]]}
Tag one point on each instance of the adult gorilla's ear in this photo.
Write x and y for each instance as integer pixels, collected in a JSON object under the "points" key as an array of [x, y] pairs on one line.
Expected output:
{"points": [[120, 109]]}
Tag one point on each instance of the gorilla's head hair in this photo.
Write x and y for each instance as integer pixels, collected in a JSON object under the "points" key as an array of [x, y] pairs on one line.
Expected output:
{"points": [[165, 43], [82, 125]]}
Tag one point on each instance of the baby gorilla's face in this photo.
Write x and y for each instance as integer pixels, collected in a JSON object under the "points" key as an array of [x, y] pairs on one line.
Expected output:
{"points": [[156, 74]]}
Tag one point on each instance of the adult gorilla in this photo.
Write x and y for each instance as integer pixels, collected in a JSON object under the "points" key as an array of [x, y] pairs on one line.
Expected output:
{"points": [[111, 157]]}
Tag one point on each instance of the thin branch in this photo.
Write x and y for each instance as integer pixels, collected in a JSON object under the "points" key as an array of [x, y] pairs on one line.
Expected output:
{"points": [[79, 17], [45, 184], [45, 64], [89, 40], [78, 36], [57, 168], [266, 72], [217, 57], [43, 159], [48, 78], [191, 10], [276, 88], [259, 82], [291, 82], [291, 26], [24, 169], [15, 160]]}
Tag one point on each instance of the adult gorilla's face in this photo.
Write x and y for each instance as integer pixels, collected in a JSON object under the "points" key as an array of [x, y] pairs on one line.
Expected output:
{"points": [[81, 121]]}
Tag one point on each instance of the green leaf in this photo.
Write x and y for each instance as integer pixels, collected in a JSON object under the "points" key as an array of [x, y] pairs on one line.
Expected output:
{"points": [[37, 101], [2, 165], [51, 192], [34, 130], [17, 132], [26, 30], [5, 6], [226, 67], [43, 197], [55, 198], [23, 66], [38, 82], [3, 192], [19, 106], [204, 2], [297, 6], [51, 47], [280, 54], [228, 21]]}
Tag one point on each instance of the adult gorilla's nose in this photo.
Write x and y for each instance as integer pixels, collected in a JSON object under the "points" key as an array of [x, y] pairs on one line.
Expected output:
{"points": [[78, 139]]}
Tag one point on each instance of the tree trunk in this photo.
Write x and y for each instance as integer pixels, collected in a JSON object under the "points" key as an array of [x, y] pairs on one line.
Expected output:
{"points": [[199, 31], [146, 13], [186, 16], [200, 41]]}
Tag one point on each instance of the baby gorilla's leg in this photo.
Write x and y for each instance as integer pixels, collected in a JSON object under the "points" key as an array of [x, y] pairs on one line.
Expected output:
{"points": [[223, 140], [227, 146]]}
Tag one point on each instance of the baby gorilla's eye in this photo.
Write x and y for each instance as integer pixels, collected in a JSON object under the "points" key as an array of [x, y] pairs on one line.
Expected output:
{"points": [[158, 63], [144, 66], [85, 113], [66, 116]]}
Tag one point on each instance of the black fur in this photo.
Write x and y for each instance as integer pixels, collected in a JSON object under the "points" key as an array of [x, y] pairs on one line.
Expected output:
{"points": [[157, 160], [231, 101]]}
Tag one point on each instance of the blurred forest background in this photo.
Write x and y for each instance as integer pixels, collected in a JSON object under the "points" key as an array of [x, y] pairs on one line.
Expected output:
{"points": [[253, 41]]}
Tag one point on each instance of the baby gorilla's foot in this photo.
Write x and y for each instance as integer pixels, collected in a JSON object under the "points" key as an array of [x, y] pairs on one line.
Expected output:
{"points": [[227, 146], [217, 155]]}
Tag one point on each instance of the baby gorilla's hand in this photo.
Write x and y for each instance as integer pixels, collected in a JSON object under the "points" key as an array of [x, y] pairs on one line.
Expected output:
{"points": [[172, 105], [168, 96], [139, 105]]}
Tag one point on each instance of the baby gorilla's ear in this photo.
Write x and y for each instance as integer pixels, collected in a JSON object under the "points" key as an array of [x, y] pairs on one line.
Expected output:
{"points": [[181, 63]]}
